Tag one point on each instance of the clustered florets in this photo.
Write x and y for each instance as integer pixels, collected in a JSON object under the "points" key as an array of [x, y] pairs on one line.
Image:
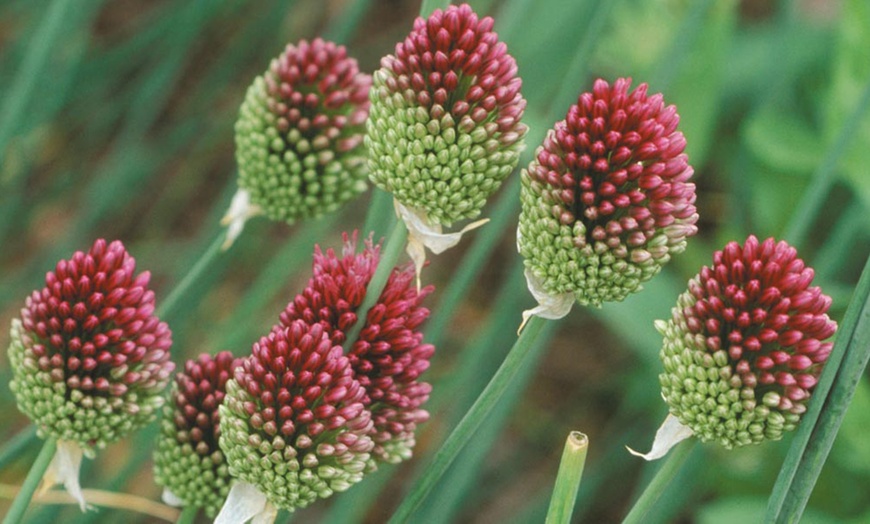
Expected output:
{"points": [[746, 344], [299, 136], [89, 358], [301, 418], [445, 128], [606, 201], [188, 460]]}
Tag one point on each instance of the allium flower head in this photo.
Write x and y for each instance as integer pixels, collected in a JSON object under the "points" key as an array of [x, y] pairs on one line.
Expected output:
{"points": [[299, 136], [188, 461], [389, 356], [445, 128], [293, 422], [746, 344], [89, 358], [606, 201]]}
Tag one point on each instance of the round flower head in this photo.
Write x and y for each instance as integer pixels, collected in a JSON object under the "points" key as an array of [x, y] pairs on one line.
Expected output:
{"points": [[746, 344], [445, 128], [389, 355], [300, 132], [188, 461], [606, 201], [89, 358], [292, 422]]}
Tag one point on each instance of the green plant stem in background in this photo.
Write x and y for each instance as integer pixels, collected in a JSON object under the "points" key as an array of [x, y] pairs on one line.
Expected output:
{"points": [[22, 500], [471, 421], [17, 99], [13, 449], [831, 398], [823, 178], [390, 252], [663, 477], [188, 515], [169, 304], [568, 479], [428, 6]]}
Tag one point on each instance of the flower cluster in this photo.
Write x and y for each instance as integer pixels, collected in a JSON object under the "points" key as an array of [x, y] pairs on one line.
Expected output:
{"points": [[188, 461], [293, 422], [606, 201], [89, 358], [389, 355], [301, 419], [445, 127], [746, 344], [299, 136]]}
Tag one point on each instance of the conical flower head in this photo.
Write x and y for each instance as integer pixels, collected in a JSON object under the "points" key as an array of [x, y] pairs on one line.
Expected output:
{"points": [[445, 128], [389, 355], [188, 461], [293, 423], [746, 344], [299, 136], [89, 358], [606, 201]]}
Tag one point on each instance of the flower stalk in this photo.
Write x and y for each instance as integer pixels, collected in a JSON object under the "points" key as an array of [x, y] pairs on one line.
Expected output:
{"points": [[31, 482], [568, 479]]}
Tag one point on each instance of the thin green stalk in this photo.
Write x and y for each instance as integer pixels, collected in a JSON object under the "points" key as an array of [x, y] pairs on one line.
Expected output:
{"points": [[22, 500], [390, 252], [188, 515], [472, 420], [342, 28], [568, 479], [168, 305], [823, 178], [676, 458], [380, 215], [831, 398], [13, 449], [44, 40]]}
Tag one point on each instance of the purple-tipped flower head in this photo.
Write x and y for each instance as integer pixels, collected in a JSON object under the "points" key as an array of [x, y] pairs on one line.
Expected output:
{"points": [[445, 123], [607, 199], [389, 356], [299, 136], [188, 460], [293, 423], [746, 344], [90, 360]]}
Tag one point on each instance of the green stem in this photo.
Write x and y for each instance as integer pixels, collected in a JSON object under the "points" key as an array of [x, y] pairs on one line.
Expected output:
{"points": [[171, 302], [390, 252], [568, 479], [188, 515], [472, 420], [823, 178], [831, 398], [22, 500], [676, 458], [41, 46]]}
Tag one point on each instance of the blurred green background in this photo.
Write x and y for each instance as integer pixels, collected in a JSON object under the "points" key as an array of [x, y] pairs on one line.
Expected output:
{"points": [[116, 121]]}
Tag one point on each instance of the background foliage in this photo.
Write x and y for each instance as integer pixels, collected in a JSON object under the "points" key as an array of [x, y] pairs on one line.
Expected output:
{"points": [[117, 122]]}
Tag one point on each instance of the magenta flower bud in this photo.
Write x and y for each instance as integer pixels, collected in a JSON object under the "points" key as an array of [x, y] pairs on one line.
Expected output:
{"points": [[299, 136], [90, 360], [293, 423], [746, 344], [389, 356], [607, 199], [188, 461], [445, 128]]}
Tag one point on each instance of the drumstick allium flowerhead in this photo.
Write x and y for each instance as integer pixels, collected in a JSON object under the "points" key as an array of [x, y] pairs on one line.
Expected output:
{"points": [[389, 356], [445, 127], [299, 136], [293, 422], [607, 199], [188, 461], [90, 360], [746, 344]]}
